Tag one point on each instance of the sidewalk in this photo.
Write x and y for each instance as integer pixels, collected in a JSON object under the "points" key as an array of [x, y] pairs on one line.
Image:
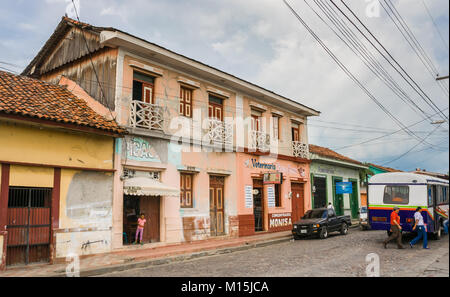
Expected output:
{"points": [[143, 256]]}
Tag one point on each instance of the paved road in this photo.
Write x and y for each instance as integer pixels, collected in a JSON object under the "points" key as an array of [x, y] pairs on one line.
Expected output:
{"points": [[336, 256]]}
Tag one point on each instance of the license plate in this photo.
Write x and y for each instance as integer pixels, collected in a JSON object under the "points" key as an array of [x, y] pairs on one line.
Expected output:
{"points": [[304, 231]]}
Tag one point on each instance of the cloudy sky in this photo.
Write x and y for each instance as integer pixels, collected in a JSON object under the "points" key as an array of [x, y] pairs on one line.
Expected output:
{"points": [[263, 42]]}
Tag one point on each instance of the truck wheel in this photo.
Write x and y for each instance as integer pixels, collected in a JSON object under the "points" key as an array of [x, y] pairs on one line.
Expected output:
{"points": [[323, 233], [344, 229]]}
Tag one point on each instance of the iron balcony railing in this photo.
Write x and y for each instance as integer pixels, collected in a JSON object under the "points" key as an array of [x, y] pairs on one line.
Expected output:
{"points": [[219, 132], [260, 141], [300, 149], [146, 115]]}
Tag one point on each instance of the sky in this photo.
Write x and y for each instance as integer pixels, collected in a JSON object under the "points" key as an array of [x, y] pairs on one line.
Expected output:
{"points": [[262, 41]]}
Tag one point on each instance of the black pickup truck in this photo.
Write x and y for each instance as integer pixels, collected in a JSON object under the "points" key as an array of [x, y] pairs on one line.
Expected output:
{"points": [[321, 222]]}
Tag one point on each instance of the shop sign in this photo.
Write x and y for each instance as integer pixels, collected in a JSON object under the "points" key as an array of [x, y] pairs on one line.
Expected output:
{"points": [[344, 188], [273, 178], [256, 164], [139, 149], [280, 221]]}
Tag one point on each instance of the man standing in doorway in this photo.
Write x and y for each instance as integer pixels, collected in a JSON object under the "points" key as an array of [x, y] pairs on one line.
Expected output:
{"points": [[330, 206], [396, 229]]}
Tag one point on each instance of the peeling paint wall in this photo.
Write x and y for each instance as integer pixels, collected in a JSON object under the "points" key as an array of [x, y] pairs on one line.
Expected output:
{"points": [[85, 213]]}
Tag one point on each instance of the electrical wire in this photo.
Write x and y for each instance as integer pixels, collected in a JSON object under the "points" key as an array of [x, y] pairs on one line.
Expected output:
{"points": [[403, 72], [349, 74]]}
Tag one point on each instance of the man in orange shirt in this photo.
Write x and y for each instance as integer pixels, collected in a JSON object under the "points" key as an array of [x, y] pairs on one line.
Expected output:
{"points": [[396, 229]]}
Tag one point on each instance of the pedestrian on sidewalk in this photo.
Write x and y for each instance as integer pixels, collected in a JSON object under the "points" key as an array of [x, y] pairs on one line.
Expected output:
{"points": [[396, 229], [421, 229], [140, 228]]}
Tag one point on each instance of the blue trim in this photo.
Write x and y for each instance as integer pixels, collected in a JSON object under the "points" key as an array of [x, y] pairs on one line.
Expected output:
{"points": [[437, 181]]}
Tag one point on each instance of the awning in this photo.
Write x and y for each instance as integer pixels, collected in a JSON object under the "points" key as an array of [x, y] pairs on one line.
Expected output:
{"points": [[144, 186]]}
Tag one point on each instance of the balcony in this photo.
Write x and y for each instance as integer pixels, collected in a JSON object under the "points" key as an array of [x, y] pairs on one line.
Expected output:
{"points": [[219, 133], [300, 149], [260, 141], [146, 115]]}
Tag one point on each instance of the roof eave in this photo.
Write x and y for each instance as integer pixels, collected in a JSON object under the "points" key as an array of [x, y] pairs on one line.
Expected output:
{"points": [[121, 39]]}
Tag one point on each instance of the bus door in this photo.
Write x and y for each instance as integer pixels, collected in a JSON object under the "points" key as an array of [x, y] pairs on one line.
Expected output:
{"points": [[432, 194]]}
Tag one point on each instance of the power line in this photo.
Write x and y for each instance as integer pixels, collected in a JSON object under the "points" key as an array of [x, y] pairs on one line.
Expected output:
{"points": [[411, 81], [407, 152], [349, 74], [389, 134], [361, 51], [412, 41], [435, 25]]}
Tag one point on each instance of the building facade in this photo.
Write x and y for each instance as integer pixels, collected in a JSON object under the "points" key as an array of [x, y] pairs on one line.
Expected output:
{"points": [[329, 168], [57, 167], [207, 154]]}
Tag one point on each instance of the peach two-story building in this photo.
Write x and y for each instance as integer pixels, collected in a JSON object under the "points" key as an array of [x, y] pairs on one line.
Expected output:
{"points": [[207, 154]]}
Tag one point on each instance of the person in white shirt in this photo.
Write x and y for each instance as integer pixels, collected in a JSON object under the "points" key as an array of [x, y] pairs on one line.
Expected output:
{"points": [[421, 229], [330, 206]]}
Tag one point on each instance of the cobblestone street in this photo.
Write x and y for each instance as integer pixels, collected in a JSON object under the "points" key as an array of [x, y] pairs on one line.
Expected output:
{"points": [[334, 257]]}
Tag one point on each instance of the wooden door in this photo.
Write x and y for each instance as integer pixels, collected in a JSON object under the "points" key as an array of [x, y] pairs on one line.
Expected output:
{"points": [[216, 205], [28, 225], [298, 201], [147, 93], [150, 206], [295, 134], [256, 123], [258, 205], [215, 111]]}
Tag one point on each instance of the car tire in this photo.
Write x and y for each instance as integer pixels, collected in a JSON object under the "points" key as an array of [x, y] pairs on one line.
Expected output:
{"points": [[344, 229], [296, 237], [323, 233]]}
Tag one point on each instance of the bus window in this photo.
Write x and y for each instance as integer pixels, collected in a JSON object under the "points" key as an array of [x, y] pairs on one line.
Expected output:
{"points": [[396, 195], [431, 195]]}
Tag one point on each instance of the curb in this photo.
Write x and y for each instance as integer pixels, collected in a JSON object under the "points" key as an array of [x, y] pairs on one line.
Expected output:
{"points": [[173, 259]]}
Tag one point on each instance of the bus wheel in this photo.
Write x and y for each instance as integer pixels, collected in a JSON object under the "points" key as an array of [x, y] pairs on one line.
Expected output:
{"points": [[437, 235]]}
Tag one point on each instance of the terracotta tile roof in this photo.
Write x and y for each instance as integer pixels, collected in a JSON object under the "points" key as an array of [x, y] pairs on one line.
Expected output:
{"points": [[326, 152], [388, 169], [24, 96]]}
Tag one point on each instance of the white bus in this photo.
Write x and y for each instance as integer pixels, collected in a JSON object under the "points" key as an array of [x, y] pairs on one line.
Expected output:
{"points": [[408, 191]]}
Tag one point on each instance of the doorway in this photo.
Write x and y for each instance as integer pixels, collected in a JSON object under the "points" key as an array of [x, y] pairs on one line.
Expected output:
{"points": [[354, 203], [258, 205], [298, 201], [29, 224], [134, 206], [320, 193], [338, 199], [216, 205]]}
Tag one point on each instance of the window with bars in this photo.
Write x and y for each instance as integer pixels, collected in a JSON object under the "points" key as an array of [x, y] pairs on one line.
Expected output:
{"points": [[186, 190], [186, 101]]}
